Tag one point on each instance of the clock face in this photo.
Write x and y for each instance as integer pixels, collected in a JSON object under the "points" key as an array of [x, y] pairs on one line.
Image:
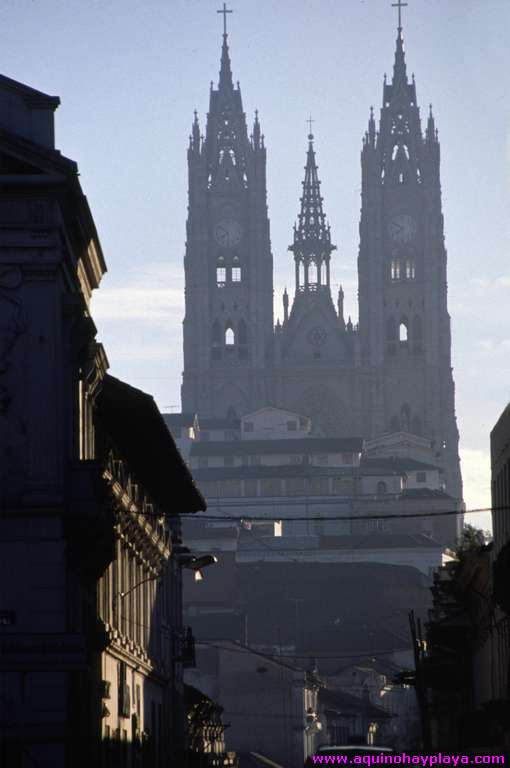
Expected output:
{"points": [[402, 228], [317, 336], [228, 233]]}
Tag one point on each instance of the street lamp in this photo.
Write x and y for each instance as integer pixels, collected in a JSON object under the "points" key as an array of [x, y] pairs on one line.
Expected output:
{"points": [[194, 562]]}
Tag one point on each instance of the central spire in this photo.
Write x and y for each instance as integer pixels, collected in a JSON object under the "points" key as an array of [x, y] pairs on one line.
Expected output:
{"points": [[225, 69], [312, 240]]}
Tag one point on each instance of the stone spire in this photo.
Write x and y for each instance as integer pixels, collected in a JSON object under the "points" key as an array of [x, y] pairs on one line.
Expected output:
{"points": [[225, 81], [399, 67], [312, 240], [256, 131]]}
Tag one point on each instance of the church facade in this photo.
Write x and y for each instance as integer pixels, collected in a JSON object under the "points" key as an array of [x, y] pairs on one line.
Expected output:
{"points": [[392, 372]]}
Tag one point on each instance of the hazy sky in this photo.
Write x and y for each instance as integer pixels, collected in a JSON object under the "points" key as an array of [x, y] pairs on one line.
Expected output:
{"points": [[130, 73]]}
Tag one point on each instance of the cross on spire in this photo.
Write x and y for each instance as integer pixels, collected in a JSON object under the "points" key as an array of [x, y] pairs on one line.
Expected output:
{"points": [[399, 4], [224, 11], [310, 122]]}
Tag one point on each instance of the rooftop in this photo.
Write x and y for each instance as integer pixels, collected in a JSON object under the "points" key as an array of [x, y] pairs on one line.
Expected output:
{"points": [[305, 445]]}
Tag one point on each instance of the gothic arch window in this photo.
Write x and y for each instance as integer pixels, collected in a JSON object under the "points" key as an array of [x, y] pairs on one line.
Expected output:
{"points": [[391, 329], [395, 269], [382, 488], [232, 156], [405, 419], [403, 331], [410, 269], [230, 338], [417, 426], [236, 274]]}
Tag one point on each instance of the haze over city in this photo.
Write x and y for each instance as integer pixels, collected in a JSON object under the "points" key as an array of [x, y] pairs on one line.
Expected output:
{"points": [[130, 75]]}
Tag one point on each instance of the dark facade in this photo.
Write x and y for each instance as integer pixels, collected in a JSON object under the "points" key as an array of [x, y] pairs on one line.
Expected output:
{"points": [[392, 372], [91, 638]]}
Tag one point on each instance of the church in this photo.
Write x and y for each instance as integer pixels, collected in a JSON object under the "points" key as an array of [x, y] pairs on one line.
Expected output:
{"points": [[389, 374]]}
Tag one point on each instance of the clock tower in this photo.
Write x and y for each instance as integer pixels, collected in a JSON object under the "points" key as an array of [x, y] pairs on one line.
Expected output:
{"points": [[228, 324], [404, 325]]}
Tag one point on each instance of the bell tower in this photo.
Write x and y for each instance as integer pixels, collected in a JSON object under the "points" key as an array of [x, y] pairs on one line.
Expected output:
{"points": [[404, 325], [228, 323]]}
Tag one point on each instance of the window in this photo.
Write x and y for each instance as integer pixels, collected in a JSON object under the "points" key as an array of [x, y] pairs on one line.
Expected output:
{"points": [[248, 426], [229, 337], [410, 270], [421, 477], [221, 276], [291, 426], [395, 269], [250, 487], [403, 332], [322, 459], [255, 461], [236, 274], [228, 461], [271, 486], [295, 486], [347, 458], [230, 488], [319, 486], [382, 488]]}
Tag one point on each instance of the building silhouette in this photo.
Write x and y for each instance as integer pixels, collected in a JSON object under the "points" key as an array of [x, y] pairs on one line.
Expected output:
{"points": [[392, 372]]}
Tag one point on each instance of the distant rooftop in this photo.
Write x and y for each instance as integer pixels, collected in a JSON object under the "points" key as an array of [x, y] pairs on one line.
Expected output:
{"points": [[396, 463], [304, 445], [179, 419], [219, 423]]}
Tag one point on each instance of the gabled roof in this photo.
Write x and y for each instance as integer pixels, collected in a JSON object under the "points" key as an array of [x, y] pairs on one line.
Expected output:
{"points": [[271, 408]]}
